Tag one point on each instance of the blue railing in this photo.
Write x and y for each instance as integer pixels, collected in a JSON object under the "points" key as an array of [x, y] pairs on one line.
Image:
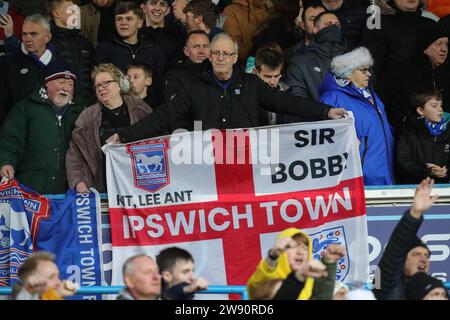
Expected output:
{"points": [[241, 290]]}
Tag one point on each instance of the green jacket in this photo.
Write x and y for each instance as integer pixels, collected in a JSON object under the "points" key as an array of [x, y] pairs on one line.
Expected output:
{"points": [[34, 142]]}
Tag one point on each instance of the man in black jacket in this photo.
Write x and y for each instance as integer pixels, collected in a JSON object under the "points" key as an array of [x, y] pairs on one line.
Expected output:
{"points": [[128, 47], [394, 40], [405, 253], [223, 97], [23, 70]]}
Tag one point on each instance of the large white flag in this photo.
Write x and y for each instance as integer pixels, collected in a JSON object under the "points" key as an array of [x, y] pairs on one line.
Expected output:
{"points": [[225, 195]]}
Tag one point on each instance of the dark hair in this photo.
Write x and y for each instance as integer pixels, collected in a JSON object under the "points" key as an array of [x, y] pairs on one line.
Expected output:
{"points": [[287, 11], [202, 32], [126, 7], [167, 258], [205, 8], [420, 98], [311, 4], [269, 55], [320, 15], [143, 66]]}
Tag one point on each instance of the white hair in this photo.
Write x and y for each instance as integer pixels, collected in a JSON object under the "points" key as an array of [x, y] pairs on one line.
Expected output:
{"points": [[342, 66], [224, 35]]}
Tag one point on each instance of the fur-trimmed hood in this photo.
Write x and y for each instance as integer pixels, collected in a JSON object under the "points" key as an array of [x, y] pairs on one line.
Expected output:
{"points": [[343, 65], [387, 7]]}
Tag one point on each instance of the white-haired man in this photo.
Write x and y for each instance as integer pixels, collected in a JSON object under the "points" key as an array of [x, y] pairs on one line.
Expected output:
{"points": [[142, 279], [23, 69]]}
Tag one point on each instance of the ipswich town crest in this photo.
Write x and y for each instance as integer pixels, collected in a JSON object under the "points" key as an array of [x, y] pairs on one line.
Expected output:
{"points": [[149, 160], [322, 239]]}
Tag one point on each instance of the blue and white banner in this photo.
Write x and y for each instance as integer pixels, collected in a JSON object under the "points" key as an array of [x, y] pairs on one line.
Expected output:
{"points": [[70, 228]]}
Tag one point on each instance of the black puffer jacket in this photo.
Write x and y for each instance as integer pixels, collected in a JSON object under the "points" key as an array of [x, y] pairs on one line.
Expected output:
{"points": [[352, 16], [121, 55], [237, 106], [78, 53], [170, 39], [396, 40], [416, 148]]}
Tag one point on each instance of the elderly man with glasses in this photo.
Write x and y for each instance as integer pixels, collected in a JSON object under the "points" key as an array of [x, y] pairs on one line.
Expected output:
{"points": [[224, 97]]}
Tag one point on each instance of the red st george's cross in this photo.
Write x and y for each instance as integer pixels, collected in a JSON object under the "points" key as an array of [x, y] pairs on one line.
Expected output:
{"points": [[235, 187]]}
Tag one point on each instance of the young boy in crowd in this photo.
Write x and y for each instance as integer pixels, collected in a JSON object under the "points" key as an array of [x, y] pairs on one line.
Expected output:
{"points": [[424, 147], [141, 77], [177, 268]]}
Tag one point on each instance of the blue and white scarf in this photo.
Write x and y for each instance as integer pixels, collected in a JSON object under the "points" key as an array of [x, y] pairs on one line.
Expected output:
{"points": [[436, 129]]}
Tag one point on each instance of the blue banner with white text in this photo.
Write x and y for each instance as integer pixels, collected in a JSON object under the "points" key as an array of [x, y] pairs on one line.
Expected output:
{"points": [[68, 228]]}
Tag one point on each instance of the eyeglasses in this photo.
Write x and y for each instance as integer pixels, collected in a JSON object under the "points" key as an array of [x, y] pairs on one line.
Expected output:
{"points": [[364, 70], [225, 55], [103, 84]]}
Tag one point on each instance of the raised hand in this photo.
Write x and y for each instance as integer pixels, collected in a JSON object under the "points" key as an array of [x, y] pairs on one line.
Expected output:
{"points": [[314, 269], [333, 253]]}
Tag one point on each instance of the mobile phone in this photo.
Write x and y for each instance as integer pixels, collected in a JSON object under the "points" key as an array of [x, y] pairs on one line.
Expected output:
{"points": [[4, 8]]}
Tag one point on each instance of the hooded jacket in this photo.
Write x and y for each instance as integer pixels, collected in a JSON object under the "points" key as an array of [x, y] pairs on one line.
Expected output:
{"points": [[121, 55], [84, 160], [264, 272], [417, 147], [439, 7], [242, 19], [34, 142], [306, 72], [395, 40], [372, 129]]}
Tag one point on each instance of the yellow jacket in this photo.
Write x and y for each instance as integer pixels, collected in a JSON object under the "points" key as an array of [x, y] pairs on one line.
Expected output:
{"points": [[264, 272]]}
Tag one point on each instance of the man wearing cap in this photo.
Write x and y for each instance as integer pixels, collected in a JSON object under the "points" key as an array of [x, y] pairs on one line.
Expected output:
{"points": [[36, 134], [427, 69], [23, 69], [405, 253]]}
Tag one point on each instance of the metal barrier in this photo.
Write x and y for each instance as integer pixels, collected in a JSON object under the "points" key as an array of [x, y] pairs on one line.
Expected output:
{"points": [[241, 290]]}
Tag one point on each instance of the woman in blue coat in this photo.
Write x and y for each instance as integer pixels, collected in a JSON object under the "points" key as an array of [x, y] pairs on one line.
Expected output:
{"points": [[348, 86]]}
